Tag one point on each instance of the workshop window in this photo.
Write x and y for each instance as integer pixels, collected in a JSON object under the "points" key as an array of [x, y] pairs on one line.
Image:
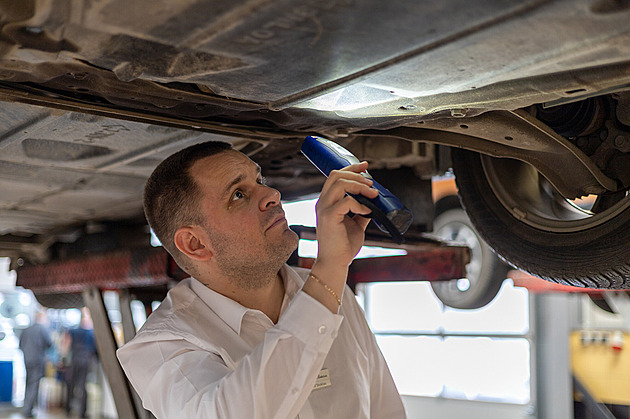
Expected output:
{"points": [[436, 351]]}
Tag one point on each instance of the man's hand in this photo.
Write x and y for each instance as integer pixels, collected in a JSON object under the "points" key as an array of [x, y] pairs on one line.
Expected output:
{"points": [[339, 236]]}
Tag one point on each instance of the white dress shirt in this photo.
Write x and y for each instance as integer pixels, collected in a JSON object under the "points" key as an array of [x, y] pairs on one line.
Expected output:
{"points": [[203, 355]]}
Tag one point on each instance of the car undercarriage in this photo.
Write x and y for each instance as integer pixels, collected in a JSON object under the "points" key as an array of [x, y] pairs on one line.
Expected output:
{"points": [[532, 97]]}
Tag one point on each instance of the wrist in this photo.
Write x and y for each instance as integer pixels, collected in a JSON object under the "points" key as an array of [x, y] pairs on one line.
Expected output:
{"points": [[326, 287], [326, 284], [333, 274]]}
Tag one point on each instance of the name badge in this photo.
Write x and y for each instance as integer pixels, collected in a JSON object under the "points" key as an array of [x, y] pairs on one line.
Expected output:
{"points": [[323, 379]]}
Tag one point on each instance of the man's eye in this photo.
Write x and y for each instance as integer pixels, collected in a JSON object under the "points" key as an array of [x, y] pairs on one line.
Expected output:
{"points": [[262, 181], [238, 195]]}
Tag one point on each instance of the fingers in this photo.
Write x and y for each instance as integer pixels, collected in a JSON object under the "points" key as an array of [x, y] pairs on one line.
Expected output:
{"points": [[337, 196], [340, 237], [349, 172], [338, 211], [347, 181]]}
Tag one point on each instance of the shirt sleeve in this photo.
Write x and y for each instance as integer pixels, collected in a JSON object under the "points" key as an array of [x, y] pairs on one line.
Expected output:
{"points": [[176, 379]]}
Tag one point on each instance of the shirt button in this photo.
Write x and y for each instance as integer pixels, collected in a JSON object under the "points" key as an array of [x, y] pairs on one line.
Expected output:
{"points": [[294, 390], [322, 329]]}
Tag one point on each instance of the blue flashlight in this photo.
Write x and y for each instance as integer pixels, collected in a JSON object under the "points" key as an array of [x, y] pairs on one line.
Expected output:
{"points": [[389, 214]]}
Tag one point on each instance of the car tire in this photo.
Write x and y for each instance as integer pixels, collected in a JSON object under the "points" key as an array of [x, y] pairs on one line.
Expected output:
{"points": [[486, 271], [534, 228]]}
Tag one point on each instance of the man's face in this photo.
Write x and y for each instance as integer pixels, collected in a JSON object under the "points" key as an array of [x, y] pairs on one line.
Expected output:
{"points": [[243, 217]]}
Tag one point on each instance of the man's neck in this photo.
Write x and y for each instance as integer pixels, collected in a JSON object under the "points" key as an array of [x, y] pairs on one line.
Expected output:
{"points": [[267, 299]]}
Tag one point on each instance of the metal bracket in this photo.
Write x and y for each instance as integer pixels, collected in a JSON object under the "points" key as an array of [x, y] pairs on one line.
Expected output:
{"points": [[517, 135]]}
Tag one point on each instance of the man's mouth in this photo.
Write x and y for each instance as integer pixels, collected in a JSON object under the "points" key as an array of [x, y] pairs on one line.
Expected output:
{"points": [[279, 219]]}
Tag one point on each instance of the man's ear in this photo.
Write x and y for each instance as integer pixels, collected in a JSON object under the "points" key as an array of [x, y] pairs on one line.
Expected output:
{"points": [[193, 242]]}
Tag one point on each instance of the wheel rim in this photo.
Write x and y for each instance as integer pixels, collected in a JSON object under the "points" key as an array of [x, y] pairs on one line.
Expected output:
{"points": [[461, 233], [530, 198]]}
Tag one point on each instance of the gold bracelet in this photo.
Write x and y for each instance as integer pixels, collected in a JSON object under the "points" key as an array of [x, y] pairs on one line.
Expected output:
{"points": [[330, 290]]}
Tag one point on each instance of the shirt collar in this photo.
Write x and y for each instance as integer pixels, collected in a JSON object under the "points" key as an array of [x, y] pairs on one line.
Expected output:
{"points": [[232, 312]]}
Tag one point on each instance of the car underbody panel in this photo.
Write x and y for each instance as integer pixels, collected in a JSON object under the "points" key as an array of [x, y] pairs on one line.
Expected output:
{"points": [[94, 94]]}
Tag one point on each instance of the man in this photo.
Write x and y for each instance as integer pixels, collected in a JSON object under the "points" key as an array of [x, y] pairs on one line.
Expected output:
{"points": [[34, 342], [80, 344], [247, 336]]}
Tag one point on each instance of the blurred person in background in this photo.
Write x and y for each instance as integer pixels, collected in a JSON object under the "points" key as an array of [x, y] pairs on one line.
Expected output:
{"points": [[79, 344], [34, 341]]}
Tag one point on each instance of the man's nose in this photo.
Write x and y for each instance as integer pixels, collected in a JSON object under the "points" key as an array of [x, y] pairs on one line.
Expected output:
{"points": [[271, 198]]}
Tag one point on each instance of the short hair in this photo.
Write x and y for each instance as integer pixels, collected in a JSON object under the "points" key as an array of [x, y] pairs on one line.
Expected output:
{"points": [[171, 194]]}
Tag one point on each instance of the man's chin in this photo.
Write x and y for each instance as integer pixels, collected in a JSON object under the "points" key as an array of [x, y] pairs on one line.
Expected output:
{"points": [[293, 239], [289, 244]]}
